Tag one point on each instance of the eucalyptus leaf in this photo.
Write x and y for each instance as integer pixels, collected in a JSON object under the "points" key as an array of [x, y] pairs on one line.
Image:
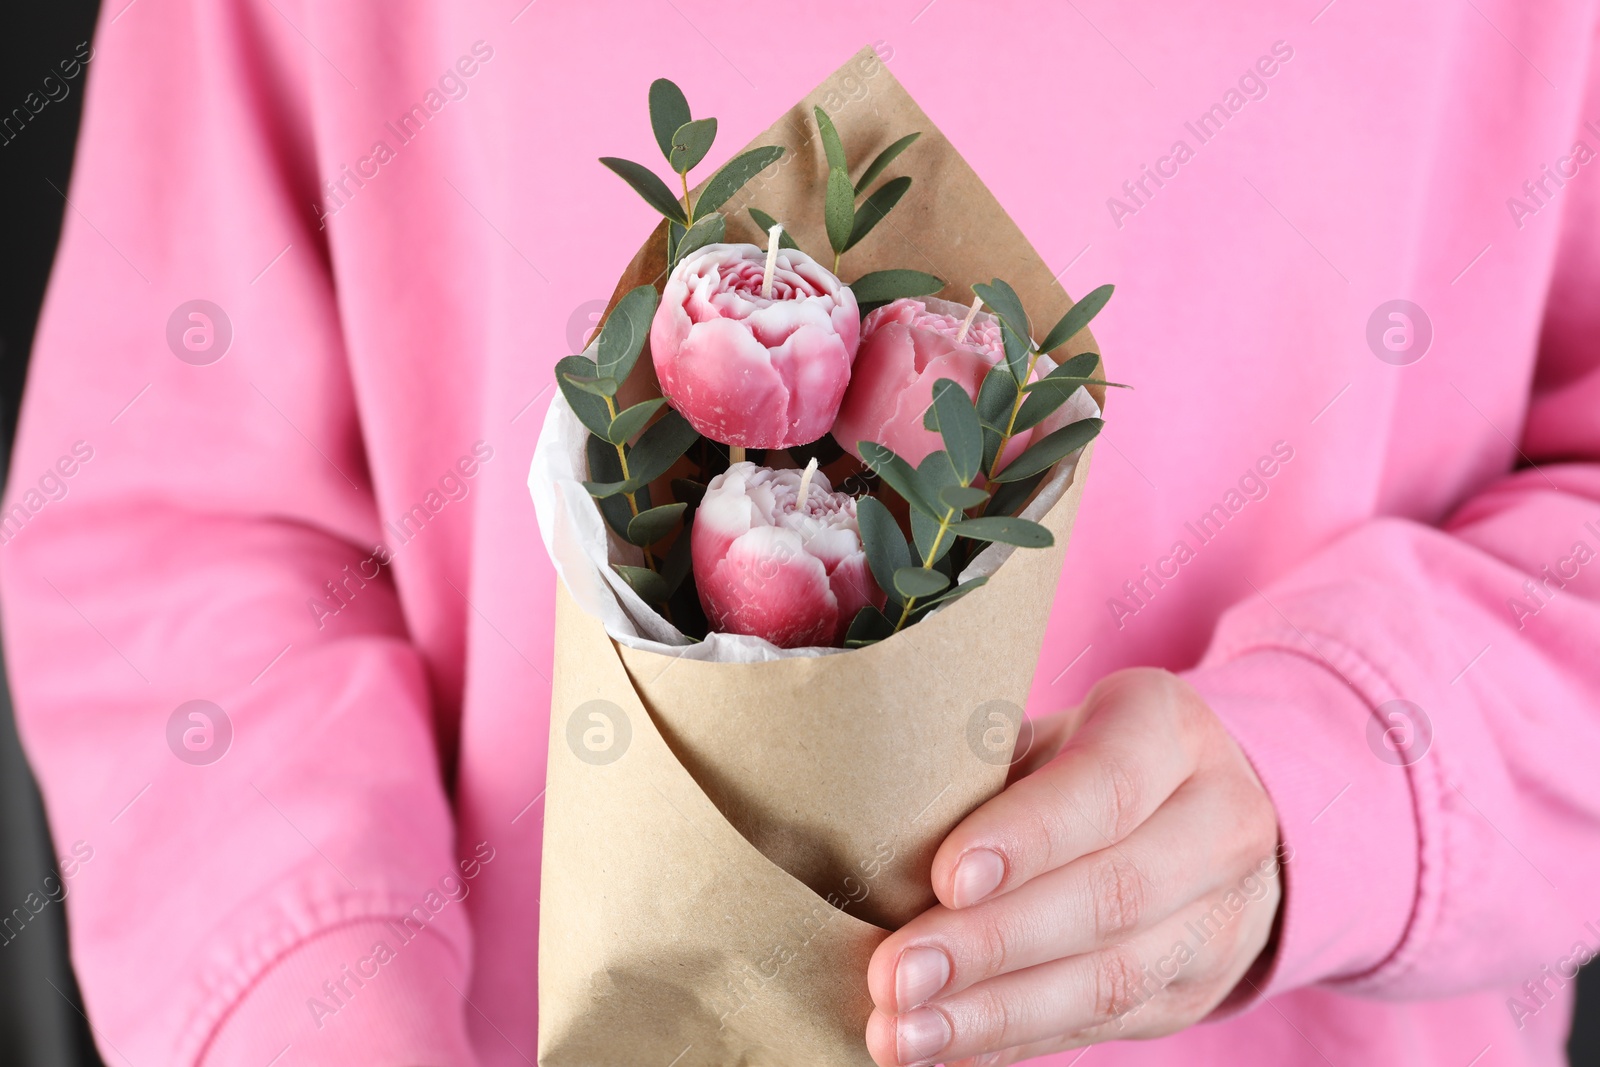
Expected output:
{"points": [[1076, 318], [874, 208], [931, 545], [1007, 306], [691, 143], [885, 157], [733, 176], [689, 491], [996, 397], [882, 286], [1046, 452], [958, 426], [675, 234], [919, 582], [648, 527], [605, 465], [962, 497], [679, 562], [830, 141], [623, 334], [659, 447], [651, 587], [767, 222], [669, 110], [953, 594], [935, 474], [601, 387], [1010, 497], [839, 209], [885, 546], [1078, 366], [1018, 355], [630, 421], [708, 231], [590, 407], [1007, 530], [1053, 392], [899, 476], [646, 183], [868, 628]]}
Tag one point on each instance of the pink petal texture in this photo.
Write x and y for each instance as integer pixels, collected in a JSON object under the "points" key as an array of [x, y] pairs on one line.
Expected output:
{"points": [[749, 370], [906, 347], [768, 568]]}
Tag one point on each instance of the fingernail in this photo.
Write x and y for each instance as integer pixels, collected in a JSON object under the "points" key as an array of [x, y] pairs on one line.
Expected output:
{"points": [[920, 1035], [920, 974], [978, 874]]}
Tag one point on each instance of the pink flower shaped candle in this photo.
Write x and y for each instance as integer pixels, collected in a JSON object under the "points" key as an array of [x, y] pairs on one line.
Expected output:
{"points": [[907, 346], [753, 347], [777, 554]]}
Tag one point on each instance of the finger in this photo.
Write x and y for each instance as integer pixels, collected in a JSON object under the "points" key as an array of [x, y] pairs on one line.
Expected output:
{"points": [[1095, 901], [1140, 740], [1042, 741], [1156, 984]]}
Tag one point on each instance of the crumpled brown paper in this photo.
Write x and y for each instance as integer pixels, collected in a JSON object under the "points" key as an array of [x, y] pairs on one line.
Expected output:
{"points": [[726, 843]]}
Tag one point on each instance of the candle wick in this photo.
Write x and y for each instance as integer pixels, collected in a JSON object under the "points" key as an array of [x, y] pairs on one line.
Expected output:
{"points": [[805, 484], [772, 259], [966, 323]]}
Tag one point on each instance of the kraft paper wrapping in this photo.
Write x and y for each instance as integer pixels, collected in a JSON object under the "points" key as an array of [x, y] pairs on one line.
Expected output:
{"points": [[726, 842]]}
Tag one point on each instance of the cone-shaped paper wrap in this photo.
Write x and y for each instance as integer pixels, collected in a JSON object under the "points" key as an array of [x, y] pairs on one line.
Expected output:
{"points": [[726, 842]]}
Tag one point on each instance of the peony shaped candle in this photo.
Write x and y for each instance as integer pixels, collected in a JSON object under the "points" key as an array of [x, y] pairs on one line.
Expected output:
{"points": [[755, 347], [777, 554], [907, 346]]}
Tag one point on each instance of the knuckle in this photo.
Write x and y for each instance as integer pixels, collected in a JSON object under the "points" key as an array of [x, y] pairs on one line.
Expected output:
{"points": [[992, 946], [1118, 982], [991, 1021], [1121, 896], [1124, 793]]}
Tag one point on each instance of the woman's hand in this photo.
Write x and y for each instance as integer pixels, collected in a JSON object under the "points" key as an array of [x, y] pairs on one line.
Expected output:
{"points": [[1120, 888]]}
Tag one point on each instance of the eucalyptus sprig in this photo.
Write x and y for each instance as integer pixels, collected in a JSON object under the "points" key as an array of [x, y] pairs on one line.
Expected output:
{"points": [[1009, 404], [847, 222], [626, 450], [947, 508], [684, 141], [939, 492]]}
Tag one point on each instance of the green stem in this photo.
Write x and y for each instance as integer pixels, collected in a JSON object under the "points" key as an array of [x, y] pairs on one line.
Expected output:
{"points": [[836, 257], [1016, 406], [688, 210], [927, 565], [622, 458]]}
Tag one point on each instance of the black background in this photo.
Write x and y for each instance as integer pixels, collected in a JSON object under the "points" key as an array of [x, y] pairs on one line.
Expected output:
{"points": [[40, 1018]]}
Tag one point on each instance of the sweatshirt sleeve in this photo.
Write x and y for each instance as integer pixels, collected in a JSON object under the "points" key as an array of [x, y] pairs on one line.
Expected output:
{"points": [[1423, 702], [263, 844]]}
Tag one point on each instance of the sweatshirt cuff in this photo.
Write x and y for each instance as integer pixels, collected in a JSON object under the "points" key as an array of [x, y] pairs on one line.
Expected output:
{"points": [[1346, 816], [360, 993]]}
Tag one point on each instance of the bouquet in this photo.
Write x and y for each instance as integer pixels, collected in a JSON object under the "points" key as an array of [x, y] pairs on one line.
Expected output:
{"points": [[808, 533]]}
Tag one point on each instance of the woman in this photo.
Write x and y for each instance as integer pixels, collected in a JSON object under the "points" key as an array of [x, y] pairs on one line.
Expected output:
{"points": [[281, 637]]}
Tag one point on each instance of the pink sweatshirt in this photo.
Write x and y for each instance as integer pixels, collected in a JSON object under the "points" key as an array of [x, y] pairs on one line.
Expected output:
{"points": [[309, 510]]}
